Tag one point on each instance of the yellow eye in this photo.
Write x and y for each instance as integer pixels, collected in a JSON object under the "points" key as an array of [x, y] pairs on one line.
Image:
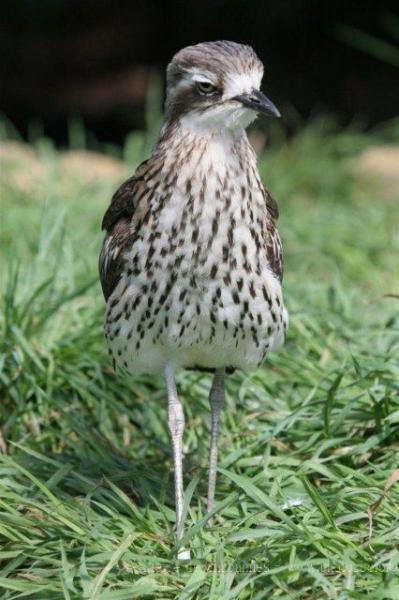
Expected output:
{"points": [[204, 87]]}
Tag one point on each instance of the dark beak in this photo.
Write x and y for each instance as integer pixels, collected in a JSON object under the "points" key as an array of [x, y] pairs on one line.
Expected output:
{"points": [[259, 102]]}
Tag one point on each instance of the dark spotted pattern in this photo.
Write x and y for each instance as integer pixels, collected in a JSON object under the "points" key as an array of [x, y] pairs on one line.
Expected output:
{"points": [[168, 267]]}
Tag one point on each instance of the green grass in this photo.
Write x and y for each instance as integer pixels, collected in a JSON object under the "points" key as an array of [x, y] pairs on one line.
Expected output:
{"points": [[307, 444]]}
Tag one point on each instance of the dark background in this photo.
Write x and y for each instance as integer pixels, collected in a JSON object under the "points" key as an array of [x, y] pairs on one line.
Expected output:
{"points": [[97, 58]]}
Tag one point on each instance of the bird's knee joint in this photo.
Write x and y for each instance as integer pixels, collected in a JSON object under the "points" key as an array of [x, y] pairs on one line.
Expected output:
{"points": [[176, 428]]}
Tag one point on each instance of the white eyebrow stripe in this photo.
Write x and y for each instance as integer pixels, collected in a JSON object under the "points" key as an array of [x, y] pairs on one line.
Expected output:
{"points": [[201, 79]]}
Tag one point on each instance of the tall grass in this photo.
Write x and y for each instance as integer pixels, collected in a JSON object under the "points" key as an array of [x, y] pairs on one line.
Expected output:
{"points": [[308, 441]]}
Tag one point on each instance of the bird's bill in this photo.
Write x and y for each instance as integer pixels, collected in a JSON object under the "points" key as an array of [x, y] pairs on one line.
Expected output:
{"points": [[259, 103]]}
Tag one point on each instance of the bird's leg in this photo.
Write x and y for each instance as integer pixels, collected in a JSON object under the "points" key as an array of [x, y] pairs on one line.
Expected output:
{"points": [[176, 428], [216, 399]]}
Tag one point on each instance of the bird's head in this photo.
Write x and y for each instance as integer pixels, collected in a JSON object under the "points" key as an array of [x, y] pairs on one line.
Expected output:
{"points": [[216, 85]]}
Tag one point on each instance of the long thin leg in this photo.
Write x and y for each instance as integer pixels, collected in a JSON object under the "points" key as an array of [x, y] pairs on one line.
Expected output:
{"points": [[176, 428], [216, 399]]}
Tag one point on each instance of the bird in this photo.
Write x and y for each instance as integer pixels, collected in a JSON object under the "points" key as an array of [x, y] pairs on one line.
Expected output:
{"points": [[191, 265]]}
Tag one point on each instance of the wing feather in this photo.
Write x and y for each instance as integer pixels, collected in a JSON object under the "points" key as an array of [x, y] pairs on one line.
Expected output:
{"points": [[117, 223], [273, 243]]}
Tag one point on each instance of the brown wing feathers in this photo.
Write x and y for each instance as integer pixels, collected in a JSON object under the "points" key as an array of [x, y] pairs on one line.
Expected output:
{"points": [[117, 223], [272, 241]]}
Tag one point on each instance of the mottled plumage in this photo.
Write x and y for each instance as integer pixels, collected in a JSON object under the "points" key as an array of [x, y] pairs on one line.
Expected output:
{"points": [[191, 265]]}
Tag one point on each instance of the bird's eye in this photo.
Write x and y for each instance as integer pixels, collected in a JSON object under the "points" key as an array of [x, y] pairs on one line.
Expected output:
{"points": [[204, 87]]}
